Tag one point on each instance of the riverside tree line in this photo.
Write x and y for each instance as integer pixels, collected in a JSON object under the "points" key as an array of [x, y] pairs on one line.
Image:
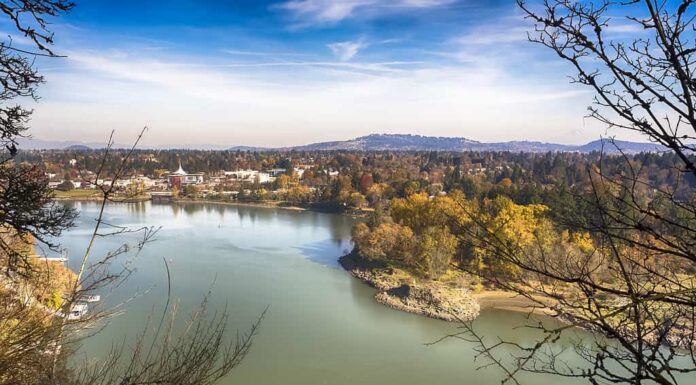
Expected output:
{"points": [[371, 179]]}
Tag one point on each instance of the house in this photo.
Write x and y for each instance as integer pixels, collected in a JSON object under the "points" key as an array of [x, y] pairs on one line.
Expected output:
{"points": [[251, 176], [265, 177], [144, 181], [160, 184], [122, 183], [275, 172], [242, 175], [216, 181]]}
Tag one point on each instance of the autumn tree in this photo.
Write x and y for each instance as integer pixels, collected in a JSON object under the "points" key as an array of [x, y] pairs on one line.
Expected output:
{"points": [[622, 271], [282, 181], [37, 339], [416, 235], [387, 242], [299, 195], [437, 249]]}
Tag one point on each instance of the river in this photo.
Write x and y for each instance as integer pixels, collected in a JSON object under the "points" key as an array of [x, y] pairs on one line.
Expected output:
{"points": [[322, 326]]}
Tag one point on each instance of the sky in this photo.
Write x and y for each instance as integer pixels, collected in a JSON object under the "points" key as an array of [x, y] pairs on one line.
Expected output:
{"points": [[290, 72]]}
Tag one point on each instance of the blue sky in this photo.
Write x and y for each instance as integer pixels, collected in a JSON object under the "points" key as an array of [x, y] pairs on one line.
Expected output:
{"points": [[296, 71]]}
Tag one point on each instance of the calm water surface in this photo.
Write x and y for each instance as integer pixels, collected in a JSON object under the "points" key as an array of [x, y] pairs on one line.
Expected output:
{"points": [[322, 326]]}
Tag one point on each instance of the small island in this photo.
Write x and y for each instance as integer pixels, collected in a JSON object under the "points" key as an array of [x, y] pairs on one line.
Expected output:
{"points": [[445, 300], [422, 255]]}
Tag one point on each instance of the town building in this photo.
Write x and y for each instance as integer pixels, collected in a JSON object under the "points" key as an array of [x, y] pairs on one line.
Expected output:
{"points": [[251, 176], [180, 178], [275, 172]]}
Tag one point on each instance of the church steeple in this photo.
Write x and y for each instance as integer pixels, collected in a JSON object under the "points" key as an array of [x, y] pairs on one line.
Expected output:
{"points": [[180, 171]]}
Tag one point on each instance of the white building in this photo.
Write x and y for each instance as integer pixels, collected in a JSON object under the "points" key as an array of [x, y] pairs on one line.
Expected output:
{"points": [[181, 178], [242, 175], [251, 176], [275, 172], [145, 181], [122, 183]]}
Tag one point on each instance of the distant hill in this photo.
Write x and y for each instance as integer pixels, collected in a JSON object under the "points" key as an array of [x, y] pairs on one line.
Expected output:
{"points": [[39, 144], [78, 147], [630, 147], [247, 148], [397, 142], [389, 142]]}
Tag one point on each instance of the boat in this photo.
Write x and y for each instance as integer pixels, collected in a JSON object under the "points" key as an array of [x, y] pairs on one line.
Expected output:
{"points": [[78, 311], [90, 298], [50, 259]]}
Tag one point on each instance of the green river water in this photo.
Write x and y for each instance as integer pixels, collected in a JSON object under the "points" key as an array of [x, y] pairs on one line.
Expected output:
{"points": [[322, 326]]}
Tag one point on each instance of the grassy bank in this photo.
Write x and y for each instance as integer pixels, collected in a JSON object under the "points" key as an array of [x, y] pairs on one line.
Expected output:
{"points": [[77, 195], [92, 195]]}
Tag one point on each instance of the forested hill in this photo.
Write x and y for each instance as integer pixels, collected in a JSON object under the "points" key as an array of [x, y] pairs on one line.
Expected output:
{"points": [[399, 142], [393, 142]]}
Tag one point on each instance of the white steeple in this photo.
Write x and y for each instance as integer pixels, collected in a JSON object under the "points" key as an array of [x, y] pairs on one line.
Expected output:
{"points": [[180, 171]]}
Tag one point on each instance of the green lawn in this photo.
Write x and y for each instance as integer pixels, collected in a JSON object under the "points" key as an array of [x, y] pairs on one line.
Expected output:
{"points": [[77, 194]]}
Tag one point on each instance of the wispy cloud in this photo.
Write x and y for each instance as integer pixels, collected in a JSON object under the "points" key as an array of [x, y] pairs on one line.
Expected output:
{"points": [[331, 11], [346, 50], [355, 67], [490, 36], [622, 27], [262, 83], [191, 101], [239, 52], [506, 29]]}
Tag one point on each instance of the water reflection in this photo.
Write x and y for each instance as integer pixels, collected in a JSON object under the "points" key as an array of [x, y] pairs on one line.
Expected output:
{"points": [[324, 252]]}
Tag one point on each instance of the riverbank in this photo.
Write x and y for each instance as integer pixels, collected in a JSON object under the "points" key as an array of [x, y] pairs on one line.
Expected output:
{"points": [[96, 196], [401, 291], [448, 301], [505, 300], [63, 197], [265, 204], [445, 300], [284, 205]]}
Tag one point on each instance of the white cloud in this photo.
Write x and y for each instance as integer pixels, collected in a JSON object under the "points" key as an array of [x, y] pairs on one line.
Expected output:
{"points": [[350, 67], [239, 52], [624, 27], [491, 36], [331, 11], [304, 102], [346, 50], [507, 29]]}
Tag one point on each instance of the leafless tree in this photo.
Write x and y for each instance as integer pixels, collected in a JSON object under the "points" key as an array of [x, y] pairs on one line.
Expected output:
{"points": [[37, 335], [37, 340], [25, 200], [635, 287]]}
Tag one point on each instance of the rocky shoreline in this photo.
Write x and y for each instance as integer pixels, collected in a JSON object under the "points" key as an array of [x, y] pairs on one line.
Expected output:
{"points": [[431, 299], [447, 302]]}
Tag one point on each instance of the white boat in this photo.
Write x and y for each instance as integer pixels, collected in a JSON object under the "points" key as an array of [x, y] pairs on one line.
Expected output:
{"points": [[51, 259], [78, 311], [90, 298]]}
